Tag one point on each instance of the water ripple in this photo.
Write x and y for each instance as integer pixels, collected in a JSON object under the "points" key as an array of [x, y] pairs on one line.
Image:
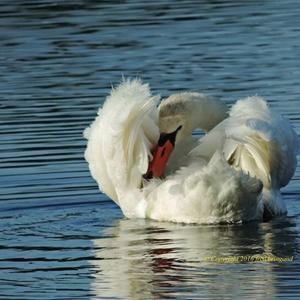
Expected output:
{"points": [[60, 237]]}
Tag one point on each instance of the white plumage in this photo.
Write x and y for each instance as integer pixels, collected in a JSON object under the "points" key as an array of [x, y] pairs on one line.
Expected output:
{"points": [[216, 179]]}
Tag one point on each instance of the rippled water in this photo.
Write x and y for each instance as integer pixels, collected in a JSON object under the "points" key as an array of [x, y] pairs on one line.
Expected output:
{"points": [[60, 237]]}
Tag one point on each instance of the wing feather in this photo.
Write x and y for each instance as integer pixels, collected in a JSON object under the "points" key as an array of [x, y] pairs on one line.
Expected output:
{"points": [[261, 142], [256, 140], [120, 138]]}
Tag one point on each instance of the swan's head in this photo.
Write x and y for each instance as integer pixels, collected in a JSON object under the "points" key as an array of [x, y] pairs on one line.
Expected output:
{"points": [[175, 124], [174, 114], [179, 115], [161, 153]]}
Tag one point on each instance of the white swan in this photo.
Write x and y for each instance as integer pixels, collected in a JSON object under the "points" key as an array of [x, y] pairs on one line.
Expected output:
{"points": [[233, 174]]}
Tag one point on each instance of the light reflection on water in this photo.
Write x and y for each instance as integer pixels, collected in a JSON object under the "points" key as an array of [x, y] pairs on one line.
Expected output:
{"points": [[91, 252], [164, 260], [60, 237]]}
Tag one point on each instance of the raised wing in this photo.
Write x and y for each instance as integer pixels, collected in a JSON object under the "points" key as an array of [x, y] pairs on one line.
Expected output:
{"points": [[120, 138], [261, 142], [255, 140]]}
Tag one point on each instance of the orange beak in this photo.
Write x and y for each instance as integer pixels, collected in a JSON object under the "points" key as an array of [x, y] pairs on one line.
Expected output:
{"points": [[161, 154]]}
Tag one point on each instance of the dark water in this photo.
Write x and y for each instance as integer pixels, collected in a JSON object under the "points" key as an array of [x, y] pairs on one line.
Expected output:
{"points": [[60, 237]]}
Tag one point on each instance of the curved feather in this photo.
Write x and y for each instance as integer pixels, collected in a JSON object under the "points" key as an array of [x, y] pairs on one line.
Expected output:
{"points": [[118, 140]]}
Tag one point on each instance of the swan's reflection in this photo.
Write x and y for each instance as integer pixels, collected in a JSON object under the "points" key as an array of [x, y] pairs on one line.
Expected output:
{"points": [[139, 259]]}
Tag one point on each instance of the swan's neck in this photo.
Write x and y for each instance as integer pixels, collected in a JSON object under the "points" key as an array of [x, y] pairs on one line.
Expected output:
{"points": [[191, 110], [207, 112]]}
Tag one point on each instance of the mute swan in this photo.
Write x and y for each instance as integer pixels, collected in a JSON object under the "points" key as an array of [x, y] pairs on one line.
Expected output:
{"points": [[233, 174]]}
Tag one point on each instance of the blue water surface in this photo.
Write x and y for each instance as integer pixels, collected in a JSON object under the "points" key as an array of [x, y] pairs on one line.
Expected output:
{"points": [[60, 238]]}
